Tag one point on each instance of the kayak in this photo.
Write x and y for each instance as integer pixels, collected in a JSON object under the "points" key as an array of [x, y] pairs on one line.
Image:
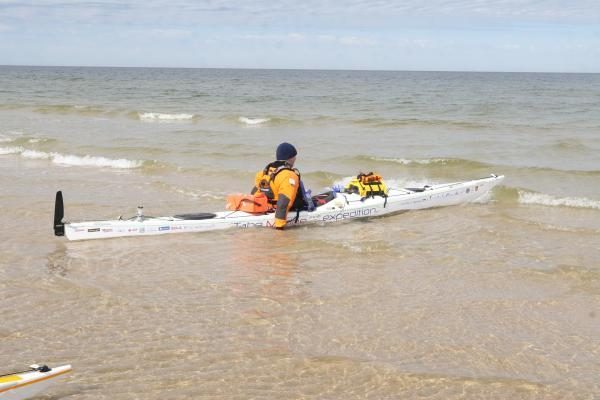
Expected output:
{"points": [[340, 207], [26, 384]]}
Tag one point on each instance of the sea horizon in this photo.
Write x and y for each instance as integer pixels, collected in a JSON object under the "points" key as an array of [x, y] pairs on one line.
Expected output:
{"points": [[304, 69]]}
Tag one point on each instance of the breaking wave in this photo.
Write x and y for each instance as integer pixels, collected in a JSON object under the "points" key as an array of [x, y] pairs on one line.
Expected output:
{"points": [[526, 197], [259, 121], [570, 145], [422, 161], [154, 116], [73, 160], [206, 195], [390, 123], [431, 162], [253, 121], [92, 161], [11, 150], [104, 112], [82, 110], [323, 178], [20, 140], [36, 155], [467, 165]]}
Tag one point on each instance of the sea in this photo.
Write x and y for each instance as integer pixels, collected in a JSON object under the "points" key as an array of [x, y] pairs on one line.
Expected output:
{"points": [[495, 299]]}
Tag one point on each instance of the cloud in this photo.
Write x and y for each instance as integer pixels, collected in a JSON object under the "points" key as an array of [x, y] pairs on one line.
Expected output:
{"points": [[327, 38], [310, 38], [511, 46], [171, 33], [296, 36], [357, 41], [275, 37], [307, 13]]}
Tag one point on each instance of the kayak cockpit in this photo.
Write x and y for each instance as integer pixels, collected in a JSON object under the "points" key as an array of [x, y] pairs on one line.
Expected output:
{"points": [[195, 216]]}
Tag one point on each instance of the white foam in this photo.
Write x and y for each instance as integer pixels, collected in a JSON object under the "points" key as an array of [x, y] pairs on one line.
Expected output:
{"points": [[91, 161], [164, 117], [72, 160], [6, 139], [341, 183], [187, 193], [405, 161], [548, 200], [33, 154], [11, 150], [196, 195], [253, 121], [485, 198], [213, 196]]}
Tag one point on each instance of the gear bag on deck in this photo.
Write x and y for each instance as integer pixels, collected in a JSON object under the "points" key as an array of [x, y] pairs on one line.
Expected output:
{"points": [[367, 185], [251, 203]]}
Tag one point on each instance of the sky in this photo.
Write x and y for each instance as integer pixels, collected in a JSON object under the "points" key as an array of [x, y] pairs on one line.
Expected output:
{"points": [[422, 35]]}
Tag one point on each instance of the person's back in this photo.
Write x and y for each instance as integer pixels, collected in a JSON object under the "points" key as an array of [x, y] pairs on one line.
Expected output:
{"points": [[280, 182]]}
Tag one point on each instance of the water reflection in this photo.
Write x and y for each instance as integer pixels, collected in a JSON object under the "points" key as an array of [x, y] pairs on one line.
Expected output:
{"points": [[266, 274], [58, 261]]}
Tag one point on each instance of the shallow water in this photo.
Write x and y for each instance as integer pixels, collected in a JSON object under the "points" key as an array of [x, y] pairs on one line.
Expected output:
{"points": [[489, 300]]}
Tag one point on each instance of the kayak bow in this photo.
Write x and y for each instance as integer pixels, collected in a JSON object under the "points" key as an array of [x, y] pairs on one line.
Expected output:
{"points": [[25, 384]]}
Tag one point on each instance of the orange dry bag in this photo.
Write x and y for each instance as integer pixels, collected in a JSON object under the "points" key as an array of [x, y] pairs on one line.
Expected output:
{"points": [[250, 203]]}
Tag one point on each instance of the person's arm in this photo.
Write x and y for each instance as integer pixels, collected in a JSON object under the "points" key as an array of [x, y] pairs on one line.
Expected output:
{"points": [[257, 179], [287, 182]]}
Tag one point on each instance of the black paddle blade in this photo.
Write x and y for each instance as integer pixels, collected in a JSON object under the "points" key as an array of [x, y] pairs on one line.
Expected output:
{"points": [[59, 213]]}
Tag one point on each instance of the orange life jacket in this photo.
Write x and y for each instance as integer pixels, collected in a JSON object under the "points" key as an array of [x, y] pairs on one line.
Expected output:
{"points": [[265, 183], [282, 186]]}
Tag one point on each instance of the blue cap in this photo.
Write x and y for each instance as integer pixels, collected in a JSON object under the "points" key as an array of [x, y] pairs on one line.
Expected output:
{"points": [[285, 151]]}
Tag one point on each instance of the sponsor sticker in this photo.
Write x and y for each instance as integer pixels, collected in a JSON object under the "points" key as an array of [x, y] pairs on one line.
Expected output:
{"points": [[292, 182], [350, 214], [164, 228], [106, 230], [248, 224], [94, 230]]}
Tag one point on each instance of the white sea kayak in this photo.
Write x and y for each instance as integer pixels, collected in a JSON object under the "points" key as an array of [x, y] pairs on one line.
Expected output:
{"points": [[342, 207], [26, 384]]}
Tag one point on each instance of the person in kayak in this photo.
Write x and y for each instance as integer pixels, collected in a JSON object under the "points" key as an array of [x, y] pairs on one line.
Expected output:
{"points": [[281, 183]]}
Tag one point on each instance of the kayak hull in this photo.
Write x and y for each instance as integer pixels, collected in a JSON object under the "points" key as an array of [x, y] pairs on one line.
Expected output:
{"points": [[24, 385], [344, 207]]}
